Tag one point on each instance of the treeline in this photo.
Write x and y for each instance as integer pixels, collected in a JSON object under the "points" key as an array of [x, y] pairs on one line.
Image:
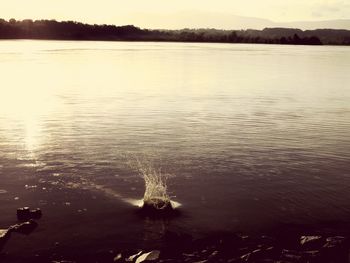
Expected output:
{"points": [[70, 30], [237, 36]]}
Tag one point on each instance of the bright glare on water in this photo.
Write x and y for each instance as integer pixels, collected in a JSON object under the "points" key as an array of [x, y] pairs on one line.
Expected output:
{"points": [[251, 136]]}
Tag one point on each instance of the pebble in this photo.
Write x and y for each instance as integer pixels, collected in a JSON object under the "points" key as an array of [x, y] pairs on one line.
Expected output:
{"points": [[307, 239], [150, 256], [30, 186], [118, 257]]}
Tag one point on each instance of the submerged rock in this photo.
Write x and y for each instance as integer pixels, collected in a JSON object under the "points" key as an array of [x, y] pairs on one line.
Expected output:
{"points": [[291, 255], [24, 228], [336, 249], [157, 204], [4, 237], [36, 213], [157, 207], [336, 241], [24, 213]]}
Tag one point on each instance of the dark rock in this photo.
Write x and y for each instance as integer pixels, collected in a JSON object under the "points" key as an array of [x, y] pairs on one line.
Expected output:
{"points": [[4, 233], [259, 254], [311, 242], [214, 255], [132, 258], [336, 249], [245, 257], [336, 241], [24, 213], [311, 255], [36, 213], [150, 256], [158, 208], [63, 261], [189, 255], [4, 237], [118, 258], [157, 205], [24, 228], [291, 255]]}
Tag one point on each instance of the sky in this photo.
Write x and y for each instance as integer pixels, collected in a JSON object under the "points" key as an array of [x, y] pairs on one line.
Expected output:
{"points": [[167, 13]]}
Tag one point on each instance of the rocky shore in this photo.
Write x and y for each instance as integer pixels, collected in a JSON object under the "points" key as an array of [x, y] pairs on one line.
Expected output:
{"points": [[224, 247], [282, 247], [228, 247], [24, 228], [219, 247]]}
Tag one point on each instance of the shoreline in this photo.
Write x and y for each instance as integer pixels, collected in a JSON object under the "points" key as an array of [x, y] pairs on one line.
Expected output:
{"points": [[167, 41], [72, 30], [216, 247]]}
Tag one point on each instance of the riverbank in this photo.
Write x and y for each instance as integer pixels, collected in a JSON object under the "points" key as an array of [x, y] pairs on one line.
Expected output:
{"points": [[71, 30], [217, 247]]}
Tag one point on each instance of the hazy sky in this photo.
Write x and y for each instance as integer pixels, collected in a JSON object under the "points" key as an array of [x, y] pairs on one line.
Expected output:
{"points": [[147, 13]]}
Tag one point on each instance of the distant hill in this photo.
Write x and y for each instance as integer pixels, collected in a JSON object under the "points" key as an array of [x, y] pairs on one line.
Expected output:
{"points": [[70, 30], [311, 25], [198, 19]]}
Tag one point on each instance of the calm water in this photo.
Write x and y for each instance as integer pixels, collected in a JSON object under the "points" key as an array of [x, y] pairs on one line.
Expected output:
{"points": [[254, 136]]}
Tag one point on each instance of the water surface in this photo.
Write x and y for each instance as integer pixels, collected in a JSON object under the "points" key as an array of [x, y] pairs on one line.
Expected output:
{"points": [[254, 136]]}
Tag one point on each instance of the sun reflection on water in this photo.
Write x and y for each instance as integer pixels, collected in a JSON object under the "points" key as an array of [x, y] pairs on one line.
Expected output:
{"points": [[33, 133], [22, 118]]}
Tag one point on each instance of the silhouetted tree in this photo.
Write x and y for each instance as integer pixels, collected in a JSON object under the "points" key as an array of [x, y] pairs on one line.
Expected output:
{"points": [[71, 30]]}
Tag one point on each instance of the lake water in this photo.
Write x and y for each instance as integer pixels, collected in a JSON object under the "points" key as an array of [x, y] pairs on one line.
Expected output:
{"points": [[254, 137]]}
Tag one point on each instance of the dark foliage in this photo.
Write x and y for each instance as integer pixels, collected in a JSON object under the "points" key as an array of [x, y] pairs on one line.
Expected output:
{"points": [[70, 30]]}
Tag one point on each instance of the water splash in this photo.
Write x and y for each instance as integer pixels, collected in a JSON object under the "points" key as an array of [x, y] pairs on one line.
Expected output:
{"points": [[156, 190]]}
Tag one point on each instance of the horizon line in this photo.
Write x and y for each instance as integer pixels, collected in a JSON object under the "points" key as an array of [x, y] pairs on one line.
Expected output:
{"points": [[186, 28]]}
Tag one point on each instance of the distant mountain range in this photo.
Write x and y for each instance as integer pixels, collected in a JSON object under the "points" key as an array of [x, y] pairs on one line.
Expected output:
{"points": [[189, 19], [70, 30], [310, 25]]}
